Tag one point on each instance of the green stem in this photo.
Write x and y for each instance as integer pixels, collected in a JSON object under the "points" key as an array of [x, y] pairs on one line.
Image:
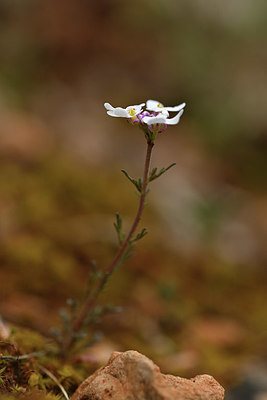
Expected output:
{"points": [[22, 357], [91, 299]]}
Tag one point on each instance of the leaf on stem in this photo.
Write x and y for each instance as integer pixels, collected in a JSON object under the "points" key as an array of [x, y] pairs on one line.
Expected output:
{"points": [[141, 234], [118, 227], [154, 175], [128, 253], [137, 183]]}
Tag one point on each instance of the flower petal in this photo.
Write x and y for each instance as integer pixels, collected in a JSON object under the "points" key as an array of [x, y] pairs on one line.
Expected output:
{"points": [[154, 105], [174, 120], [108, 106], [164, 112], [138, 105], [121, 112], [112, 113], [159, 119], [176, 108], [137, 109]]}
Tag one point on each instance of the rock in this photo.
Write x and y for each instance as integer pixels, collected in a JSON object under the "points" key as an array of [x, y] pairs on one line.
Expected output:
{"points": [[4, 330], [132, 376]]}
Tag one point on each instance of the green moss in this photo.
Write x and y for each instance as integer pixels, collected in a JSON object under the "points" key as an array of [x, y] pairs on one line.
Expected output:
{"points": [[27, 341]]}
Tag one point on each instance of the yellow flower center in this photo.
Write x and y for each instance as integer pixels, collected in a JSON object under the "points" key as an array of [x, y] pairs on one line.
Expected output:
{"points": [[160, 105], [132, 112]]}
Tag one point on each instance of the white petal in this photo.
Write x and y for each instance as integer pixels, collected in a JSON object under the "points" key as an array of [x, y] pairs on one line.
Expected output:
{"points": [[112, 113], [138, 105], [159, 119], [137, 108], [116, 111], [164, 112], [154, 105], [174, 120], [176, 108], [121, 112], [108, 106]]}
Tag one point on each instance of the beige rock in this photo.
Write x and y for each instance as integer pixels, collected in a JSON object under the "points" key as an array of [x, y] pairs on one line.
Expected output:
{"points": [[4, 330], [132, 376]]}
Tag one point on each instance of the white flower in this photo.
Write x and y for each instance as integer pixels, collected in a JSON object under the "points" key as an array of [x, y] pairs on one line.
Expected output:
{"points": [[163, 119], [128, 112], [152, 121], [156, 106]]}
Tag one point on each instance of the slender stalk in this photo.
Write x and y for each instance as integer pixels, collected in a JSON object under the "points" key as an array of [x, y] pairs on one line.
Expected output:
{"points": [[22, 357], [91, 299], [54, 378]]}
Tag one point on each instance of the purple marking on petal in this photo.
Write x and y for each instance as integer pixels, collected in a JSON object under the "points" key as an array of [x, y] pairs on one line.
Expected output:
{"points": [[134, 120], [142, 115]]}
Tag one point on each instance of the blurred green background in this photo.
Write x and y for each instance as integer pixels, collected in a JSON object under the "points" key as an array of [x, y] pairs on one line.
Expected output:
{"points": [[194, 297]]}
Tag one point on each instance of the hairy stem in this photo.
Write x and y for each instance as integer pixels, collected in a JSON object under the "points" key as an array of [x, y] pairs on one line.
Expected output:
{"points": [[91, 299]]}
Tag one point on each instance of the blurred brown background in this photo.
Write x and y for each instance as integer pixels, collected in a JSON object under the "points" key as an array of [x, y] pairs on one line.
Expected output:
{"points": [[194, 297]]}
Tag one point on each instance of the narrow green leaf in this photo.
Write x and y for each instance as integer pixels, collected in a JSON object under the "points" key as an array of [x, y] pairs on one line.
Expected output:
{"points": [[118, 226], [170, 166], [161, 172], [119, 220], [139, 185], [134, 181], [141, 234], [118, 223]]}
